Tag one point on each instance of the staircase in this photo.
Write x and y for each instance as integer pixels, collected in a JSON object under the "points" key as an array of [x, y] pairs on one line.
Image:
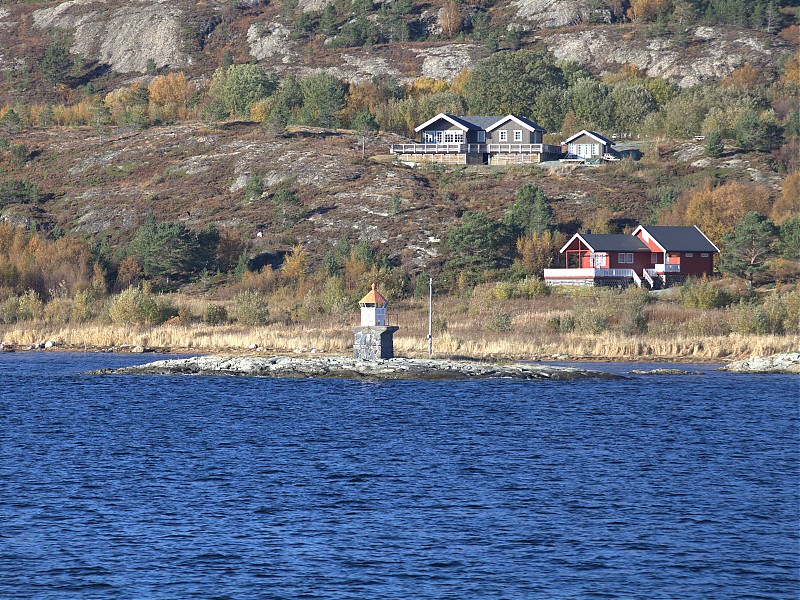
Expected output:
{"points": [[652, 278]]}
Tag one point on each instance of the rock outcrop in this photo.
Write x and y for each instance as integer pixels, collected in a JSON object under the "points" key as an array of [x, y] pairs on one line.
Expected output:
{"points": [[716, 52], [777, 363], [345, 367], [536, 14], [125, 37], [270, 39]]}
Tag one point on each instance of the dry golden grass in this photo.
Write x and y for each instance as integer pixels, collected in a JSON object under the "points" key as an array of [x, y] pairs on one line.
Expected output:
{"points": [[409, 341]]}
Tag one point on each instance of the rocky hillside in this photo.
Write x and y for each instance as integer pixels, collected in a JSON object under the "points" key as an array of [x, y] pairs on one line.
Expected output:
{"points": [[120, 41], [229, 175]]}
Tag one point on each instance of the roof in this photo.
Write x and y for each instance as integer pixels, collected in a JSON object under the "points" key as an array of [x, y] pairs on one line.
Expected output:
{"points": [[479, 123], [454, 120], [373, 297], [679, 238], [527, 123], [595, 135], [609, 242]]}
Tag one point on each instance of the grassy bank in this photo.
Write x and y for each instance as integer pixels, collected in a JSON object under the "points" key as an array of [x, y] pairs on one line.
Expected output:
{"points": [[531, 329]]}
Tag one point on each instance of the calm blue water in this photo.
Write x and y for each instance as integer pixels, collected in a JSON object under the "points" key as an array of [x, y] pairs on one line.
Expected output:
{"points": [[197, 487]]}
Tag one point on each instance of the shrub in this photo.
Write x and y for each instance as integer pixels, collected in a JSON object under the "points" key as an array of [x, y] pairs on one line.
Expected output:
{"points": [[83, 307], [531, 287], [9, 309], [31, 307], [704, 294], [215, 314], [138, 306], [58, 310], [503, 290], [499, 320], [631, 317], [251, 308]]}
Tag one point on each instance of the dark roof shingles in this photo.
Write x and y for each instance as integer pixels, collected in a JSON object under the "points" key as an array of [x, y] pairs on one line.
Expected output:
{"points": [[616, 242], [680, 238]]}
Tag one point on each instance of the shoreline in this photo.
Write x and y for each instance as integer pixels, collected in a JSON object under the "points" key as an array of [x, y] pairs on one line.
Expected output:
{"points": [[268, 353], [350, 368]]}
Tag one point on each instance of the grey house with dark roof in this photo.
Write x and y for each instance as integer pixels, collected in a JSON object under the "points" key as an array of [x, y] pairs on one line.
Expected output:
{"points": [[652, 256], [471, 140]]}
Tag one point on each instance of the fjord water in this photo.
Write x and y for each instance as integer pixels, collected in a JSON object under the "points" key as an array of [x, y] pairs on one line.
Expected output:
{"points": [[218, 487]]}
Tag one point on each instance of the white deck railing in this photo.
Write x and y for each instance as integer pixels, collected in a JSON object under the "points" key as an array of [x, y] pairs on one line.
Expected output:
{"points": [[590, 273], [475, 149], [668, 268]]}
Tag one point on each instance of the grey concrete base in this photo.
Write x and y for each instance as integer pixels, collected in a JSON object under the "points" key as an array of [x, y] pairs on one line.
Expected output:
{"points": [[373, 342]]}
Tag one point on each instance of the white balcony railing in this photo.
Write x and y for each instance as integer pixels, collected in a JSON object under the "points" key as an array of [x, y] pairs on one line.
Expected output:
{"points": [[668, 268], [589, 273], [475, 149]]}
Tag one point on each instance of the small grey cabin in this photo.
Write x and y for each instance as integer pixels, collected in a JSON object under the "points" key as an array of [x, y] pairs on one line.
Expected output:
{"points": [[477, 140], [587, 145]]}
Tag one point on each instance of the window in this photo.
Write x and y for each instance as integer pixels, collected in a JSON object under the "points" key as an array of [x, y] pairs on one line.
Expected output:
{"points": [[626, 258], [432, 137], [481, 137], [704, 255], [518, 135], [654, 257], [453, 137], [598, 259], [689, 254], [503, 136]]}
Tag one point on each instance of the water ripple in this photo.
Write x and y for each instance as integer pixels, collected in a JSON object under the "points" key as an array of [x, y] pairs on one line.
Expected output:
{"points": [[173, 487]]}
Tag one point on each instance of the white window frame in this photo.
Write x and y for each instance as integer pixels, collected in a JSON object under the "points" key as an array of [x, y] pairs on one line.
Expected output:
{"points": [[518, 135], [481, 137], [453, 137], [655, 257], [690, 255], [704, 255], [503, 135], [625, 258], [432, 137]]}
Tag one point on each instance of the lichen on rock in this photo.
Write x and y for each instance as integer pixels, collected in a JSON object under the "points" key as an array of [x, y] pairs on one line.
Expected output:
{"points": [[126, 38]]}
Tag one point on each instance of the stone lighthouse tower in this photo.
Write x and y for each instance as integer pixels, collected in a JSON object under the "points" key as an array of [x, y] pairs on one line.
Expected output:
{"points": [[373, 339]]}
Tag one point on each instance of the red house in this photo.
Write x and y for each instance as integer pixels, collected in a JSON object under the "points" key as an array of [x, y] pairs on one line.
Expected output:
{"points": [[652, 256]]}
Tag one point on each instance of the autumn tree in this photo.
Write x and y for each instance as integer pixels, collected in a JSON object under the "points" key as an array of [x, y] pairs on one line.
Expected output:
{"points": [[538, 251], [172, 93], [645, 10], [717, 210], [450, 18], [787, 205]]}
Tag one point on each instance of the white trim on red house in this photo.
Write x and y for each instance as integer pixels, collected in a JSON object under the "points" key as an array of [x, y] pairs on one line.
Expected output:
{"points": [[650, 236], [580, 237], [436, 118]]}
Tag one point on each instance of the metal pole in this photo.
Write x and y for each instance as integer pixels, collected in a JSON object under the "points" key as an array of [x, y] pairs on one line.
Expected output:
{"points": [[430, 318]]}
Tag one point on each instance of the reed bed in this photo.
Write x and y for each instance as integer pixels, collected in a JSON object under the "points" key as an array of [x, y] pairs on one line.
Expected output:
{"points": [[409, 341]]}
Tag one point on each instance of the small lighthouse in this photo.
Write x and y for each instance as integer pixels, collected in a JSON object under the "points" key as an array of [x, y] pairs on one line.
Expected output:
{"points": [[373, 339]]}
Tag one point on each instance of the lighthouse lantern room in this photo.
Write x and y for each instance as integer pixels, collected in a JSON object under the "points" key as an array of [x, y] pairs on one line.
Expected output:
{"points": [[373, 339], [373, 309]]}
